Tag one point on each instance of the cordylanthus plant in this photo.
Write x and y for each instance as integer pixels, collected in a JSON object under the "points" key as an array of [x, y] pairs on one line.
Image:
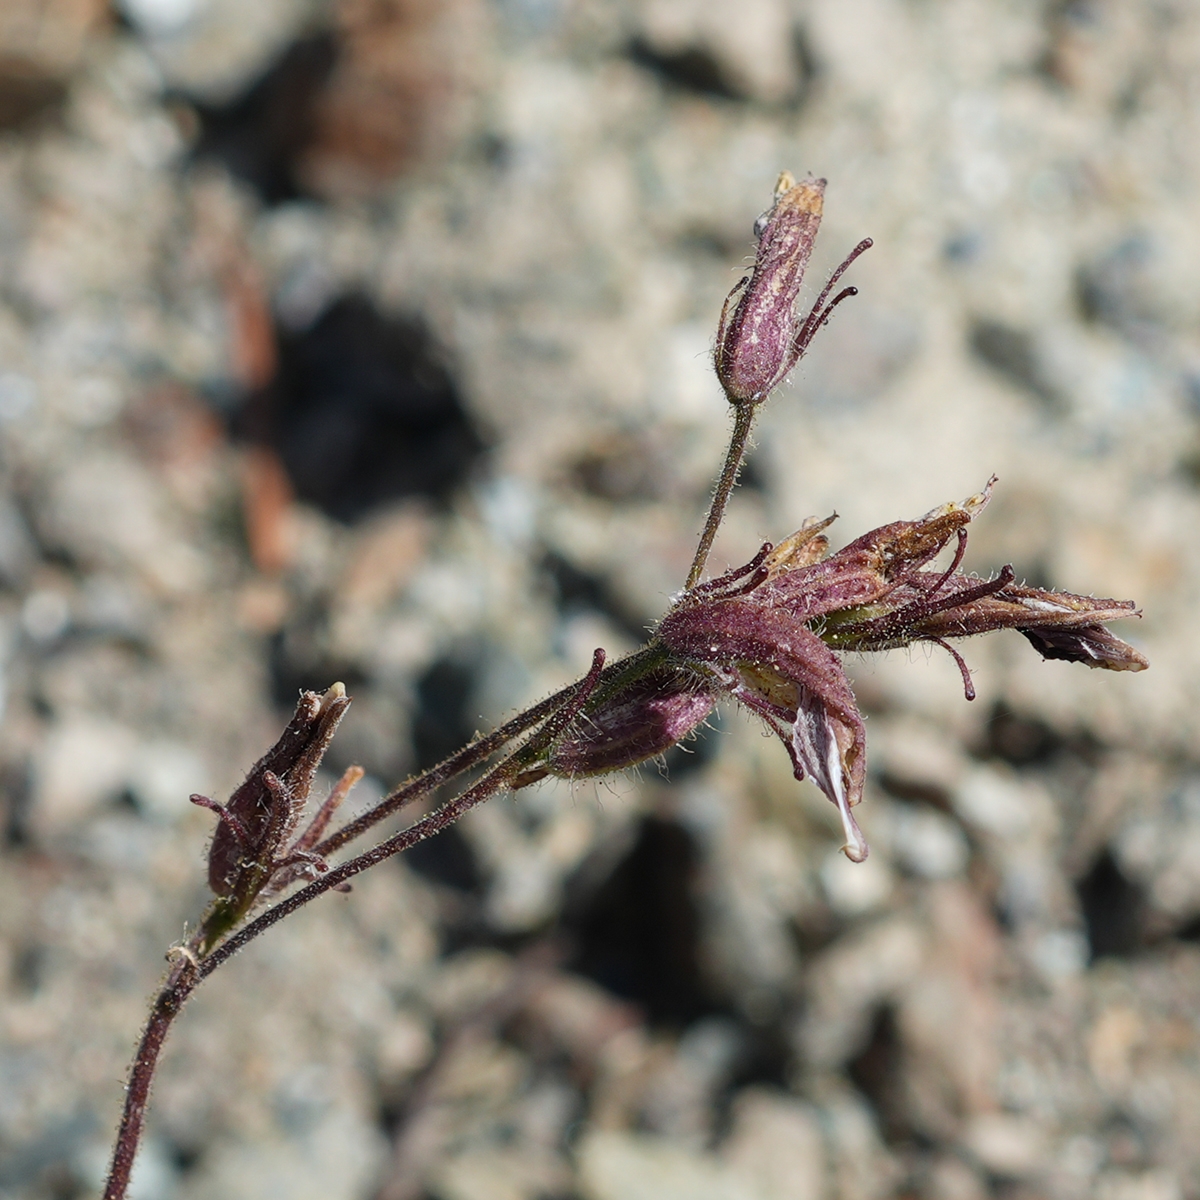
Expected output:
{"points": [[769, 634]]}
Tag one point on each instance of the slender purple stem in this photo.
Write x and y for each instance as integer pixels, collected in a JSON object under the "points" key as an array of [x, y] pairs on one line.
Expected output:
{"points": [[743, 420], [732, 576], [450, 768], [181, 982], [450, 812]]}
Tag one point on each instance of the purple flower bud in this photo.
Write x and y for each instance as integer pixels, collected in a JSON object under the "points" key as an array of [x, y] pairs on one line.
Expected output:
{"points": [[646, 718], [757, 345]]}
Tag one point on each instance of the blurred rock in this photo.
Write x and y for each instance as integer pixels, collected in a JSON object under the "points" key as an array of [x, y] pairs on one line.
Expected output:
{"points": [[332, 1155], [212, 49], [926, 842], [776, 1146], [400, 92], [83, 763], [752, 49], [503, 1173], [41, 43], [1007, 1146], [107, 512], [628, 1166]]}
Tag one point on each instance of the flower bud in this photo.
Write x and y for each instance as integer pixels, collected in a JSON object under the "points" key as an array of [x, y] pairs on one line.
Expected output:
{"points": [[642, 720], [758, 344]]}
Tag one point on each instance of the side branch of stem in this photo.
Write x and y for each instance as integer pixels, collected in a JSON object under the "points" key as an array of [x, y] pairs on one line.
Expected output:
{"points": [[471, 755]]}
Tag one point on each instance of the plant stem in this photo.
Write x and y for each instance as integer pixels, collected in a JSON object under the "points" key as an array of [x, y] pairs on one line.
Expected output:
{"points": [[478, 751], [404, 840], [743, 420], [181, 982], [188, 975], [471, 755]]}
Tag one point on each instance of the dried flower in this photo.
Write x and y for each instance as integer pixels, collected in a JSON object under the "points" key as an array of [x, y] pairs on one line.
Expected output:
{"points": [[769, 633], [248, 857]]}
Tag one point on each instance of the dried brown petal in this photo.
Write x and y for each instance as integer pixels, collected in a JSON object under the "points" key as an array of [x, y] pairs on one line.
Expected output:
{"points": [[1091, 645], [266, 815]]}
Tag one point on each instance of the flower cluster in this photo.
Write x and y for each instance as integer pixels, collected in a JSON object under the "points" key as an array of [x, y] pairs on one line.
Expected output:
{"points": [[770, 633]]}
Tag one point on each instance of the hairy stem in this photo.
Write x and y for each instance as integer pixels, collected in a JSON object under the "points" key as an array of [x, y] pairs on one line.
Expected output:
{"points": [[192, 972], [471, 755], [438, 820], [742, 422], [493, 782], [180, 984], [477, 752]]}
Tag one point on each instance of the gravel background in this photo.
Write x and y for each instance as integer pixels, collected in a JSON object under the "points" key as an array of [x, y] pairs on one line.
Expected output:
{"points": [[368, 340]]}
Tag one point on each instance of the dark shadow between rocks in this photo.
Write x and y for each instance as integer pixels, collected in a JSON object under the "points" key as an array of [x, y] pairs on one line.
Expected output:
{"points": [[638, 933], [260, 136], [1113, 910], [364, 410]]}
